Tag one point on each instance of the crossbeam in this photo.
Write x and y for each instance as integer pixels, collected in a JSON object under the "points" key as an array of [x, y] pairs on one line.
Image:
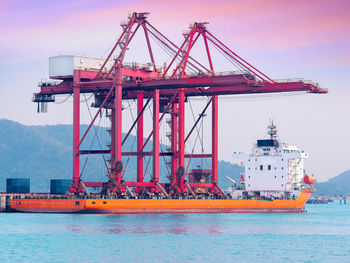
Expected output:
{"points": [[194, 87]]}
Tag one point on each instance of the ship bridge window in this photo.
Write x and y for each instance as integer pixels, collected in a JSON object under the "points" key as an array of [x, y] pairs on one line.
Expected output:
{"points": [[261, 167]]}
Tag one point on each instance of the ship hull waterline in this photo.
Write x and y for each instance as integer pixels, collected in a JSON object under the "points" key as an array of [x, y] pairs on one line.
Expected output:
{"points": [[160, 206]]}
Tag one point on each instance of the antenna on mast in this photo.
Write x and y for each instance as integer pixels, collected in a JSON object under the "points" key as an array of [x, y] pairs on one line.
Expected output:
{"points": [[272, 130]]}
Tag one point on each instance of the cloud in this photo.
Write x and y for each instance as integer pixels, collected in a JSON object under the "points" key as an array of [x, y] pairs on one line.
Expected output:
{"points": [[46, 27]]}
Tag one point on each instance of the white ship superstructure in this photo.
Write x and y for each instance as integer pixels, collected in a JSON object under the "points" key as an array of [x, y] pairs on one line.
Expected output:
{"points": [[273, 168]]}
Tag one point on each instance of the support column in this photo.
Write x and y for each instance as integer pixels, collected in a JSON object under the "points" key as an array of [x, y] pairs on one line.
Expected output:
{"points": [[156, 135], [214, 163], [181, 131], [112, 132], [76, 133], [117, 126], [173, 143], [139, 137]]}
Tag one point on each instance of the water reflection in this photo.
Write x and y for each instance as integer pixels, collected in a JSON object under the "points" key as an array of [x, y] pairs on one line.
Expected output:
{"points": [[321, 220], [74, 228], [117, 229], [163, 229]]}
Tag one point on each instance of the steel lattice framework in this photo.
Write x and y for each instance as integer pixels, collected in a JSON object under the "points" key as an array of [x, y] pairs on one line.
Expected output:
{"points": [[168, 87]]}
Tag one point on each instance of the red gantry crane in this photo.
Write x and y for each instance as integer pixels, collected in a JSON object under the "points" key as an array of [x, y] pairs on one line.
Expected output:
{"points": [[168, 87]]}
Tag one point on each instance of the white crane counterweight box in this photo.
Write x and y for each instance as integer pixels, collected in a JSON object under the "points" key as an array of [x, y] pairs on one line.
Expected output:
{"points": [[63, 66]]}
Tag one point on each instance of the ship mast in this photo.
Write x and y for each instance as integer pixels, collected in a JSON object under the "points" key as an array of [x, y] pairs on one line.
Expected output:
{"points": [[272, 130]]}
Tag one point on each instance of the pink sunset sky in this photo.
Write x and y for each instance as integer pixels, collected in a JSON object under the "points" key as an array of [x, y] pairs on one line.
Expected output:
{"points": [[45, 27], [309, 39]]}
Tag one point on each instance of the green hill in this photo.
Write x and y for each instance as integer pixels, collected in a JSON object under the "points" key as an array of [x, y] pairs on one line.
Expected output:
{"points": [[42, 153], [339, 185]]}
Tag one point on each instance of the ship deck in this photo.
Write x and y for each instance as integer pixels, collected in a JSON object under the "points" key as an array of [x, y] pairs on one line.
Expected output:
{"points": [[42, 204]]}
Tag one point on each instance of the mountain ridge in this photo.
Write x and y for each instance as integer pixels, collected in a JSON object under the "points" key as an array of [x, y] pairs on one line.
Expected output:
{"points": [[45, 152], [42, 153], [338, 185]]}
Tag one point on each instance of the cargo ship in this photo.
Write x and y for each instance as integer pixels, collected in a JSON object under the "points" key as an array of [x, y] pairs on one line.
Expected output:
{"points": [[272, 180]]}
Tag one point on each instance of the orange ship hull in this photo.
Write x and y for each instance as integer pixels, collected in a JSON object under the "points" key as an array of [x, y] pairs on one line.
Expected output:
{"points": [[146, 206]]}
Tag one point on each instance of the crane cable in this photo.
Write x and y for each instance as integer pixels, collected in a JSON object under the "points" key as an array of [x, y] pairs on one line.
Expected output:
{"points": [[95, 136], [87, 157], [168, 51], [64, 100], [195, 142]]}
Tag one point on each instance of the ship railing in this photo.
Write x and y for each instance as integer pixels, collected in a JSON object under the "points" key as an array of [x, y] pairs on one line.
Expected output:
{"points": [[297, 80], [307, 187], [140, 66], [222, 73], [235, 72], [48, 83], [289, 80]]}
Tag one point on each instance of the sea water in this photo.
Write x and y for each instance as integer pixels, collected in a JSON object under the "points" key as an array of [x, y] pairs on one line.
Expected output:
{"points": [[320, 235]]}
